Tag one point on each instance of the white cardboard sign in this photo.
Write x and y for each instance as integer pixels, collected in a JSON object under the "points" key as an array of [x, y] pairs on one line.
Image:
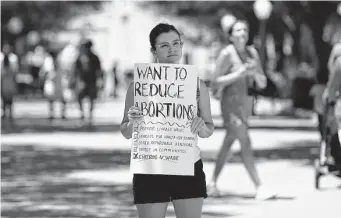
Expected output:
{"points": [[162, 142]]}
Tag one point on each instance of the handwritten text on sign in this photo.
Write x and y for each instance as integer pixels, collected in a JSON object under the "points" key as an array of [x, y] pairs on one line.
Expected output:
{"points": [[163, 143]]}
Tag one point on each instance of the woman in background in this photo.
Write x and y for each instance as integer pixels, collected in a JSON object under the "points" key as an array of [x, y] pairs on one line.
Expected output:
{"points": [[9, 70], [237, 69], [55, 85]]}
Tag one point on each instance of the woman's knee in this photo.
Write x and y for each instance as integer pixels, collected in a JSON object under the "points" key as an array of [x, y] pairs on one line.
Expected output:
{"points": [[230, 136], [152, 210], [188, 208], [242, 132]]}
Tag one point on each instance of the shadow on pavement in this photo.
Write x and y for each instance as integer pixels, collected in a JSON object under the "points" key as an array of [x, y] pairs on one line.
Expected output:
{"points": [[225, 197], [302, 150], [44, 125], [34, 184], [44, 158]]}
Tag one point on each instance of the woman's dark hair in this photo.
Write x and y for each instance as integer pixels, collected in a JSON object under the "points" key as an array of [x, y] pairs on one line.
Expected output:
{"points": [[237, 21], [159, 29]]}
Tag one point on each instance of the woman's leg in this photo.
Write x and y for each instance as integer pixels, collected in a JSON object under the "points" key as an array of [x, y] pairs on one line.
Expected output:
{"points": [[153, 210], [4, 107], [263, 193], [92, 105], [335, 148], [188, 208], [10, 109], [80, 104], [223, 153], [247, 153], [320, 124], [51, 110], [63, 109]]}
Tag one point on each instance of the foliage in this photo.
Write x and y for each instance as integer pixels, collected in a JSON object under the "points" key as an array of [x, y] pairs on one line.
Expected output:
{"points": [[38, 15]]}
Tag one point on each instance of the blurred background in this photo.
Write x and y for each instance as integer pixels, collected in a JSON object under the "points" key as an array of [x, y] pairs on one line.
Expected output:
{"points": [[290, 37], [49, 163]]}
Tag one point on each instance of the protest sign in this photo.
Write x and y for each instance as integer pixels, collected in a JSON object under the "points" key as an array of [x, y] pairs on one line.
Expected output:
{"points": [[162, 142]]}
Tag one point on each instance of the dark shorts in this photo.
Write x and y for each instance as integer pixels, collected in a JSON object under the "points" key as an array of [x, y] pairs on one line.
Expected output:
{"points": [[166, 188], [88, 91]]}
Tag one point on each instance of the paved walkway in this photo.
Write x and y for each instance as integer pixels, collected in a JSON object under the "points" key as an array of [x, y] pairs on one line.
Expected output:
{"points": [[110, 112], [86, 171], [284, 163]]}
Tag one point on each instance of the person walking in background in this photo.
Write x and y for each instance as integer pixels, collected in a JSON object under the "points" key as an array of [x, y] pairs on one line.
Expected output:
{"points": [[36, 60], [115, 80], [9, 70], [88, 77], [152, 193], [55, 85], [319, 90], [238, 68], [332, 96]]}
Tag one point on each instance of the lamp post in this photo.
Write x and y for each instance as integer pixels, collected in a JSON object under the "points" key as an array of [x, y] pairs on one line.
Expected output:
{"points": [[338, 10], [226, 22], [15, 27], [262, 10]]}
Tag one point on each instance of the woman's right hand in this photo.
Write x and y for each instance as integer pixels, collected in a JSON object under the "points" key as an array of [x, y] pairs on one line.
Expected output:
{"points": [[250, 65], [134, 114]]}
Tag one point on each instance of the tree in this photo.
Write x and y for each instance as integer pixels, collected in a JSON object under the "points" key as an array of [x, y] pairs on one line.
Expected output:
{"points": [[42, 15]]}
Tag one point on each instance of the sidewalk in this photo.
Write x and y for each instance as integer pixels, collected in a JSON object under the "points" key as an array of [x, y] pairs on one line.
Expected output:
{"points": [[86, 174], [110, 112], [90, 171]]}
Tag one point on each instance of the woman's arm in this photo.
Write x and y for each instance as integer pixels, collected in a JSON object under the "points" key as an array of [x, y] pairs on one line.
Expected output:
{"points": [[334, 82], [231, 77], [336, 51], [205, 112], [223, 65], [259, 75], [127, 126]]}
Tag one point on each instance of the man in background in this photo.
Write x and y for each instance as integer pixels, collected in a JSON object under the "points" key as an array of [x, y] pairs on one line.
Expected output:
{"points": [[88, 77]]}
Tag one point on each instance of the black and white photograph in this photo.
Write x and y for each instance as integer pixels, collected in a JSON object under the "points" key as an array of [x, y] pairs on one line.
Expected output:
{"points": [[170, 109]]}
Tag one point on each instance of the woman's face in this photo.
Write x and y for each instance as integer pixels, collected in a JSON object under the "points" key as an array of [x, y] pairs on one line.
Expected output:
{"points": [[240, 33], [168, 48]]}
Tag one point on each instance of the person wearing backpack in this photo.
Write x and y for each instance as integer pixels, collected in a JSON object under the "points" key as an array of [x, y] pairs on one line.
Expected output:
{"points": [[238, 70]]}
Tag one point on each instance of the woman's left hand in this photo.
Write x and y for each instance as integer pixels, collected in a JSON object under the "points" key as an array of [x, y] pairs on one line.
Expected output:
{"points": [[197, 124]]}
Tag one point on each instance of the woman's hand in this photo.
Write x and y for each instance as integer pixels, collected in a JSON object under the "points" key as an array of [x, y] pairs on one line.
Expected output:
{"points": [[250, 68], [134, 114], [251, 65], [197, 124], [253, 71]]}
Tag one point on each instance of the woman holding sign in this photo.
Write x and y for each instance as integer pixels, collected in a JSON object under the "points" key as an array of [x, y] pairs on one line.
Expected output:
{"points": [[238, 68], [152, 193]]}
